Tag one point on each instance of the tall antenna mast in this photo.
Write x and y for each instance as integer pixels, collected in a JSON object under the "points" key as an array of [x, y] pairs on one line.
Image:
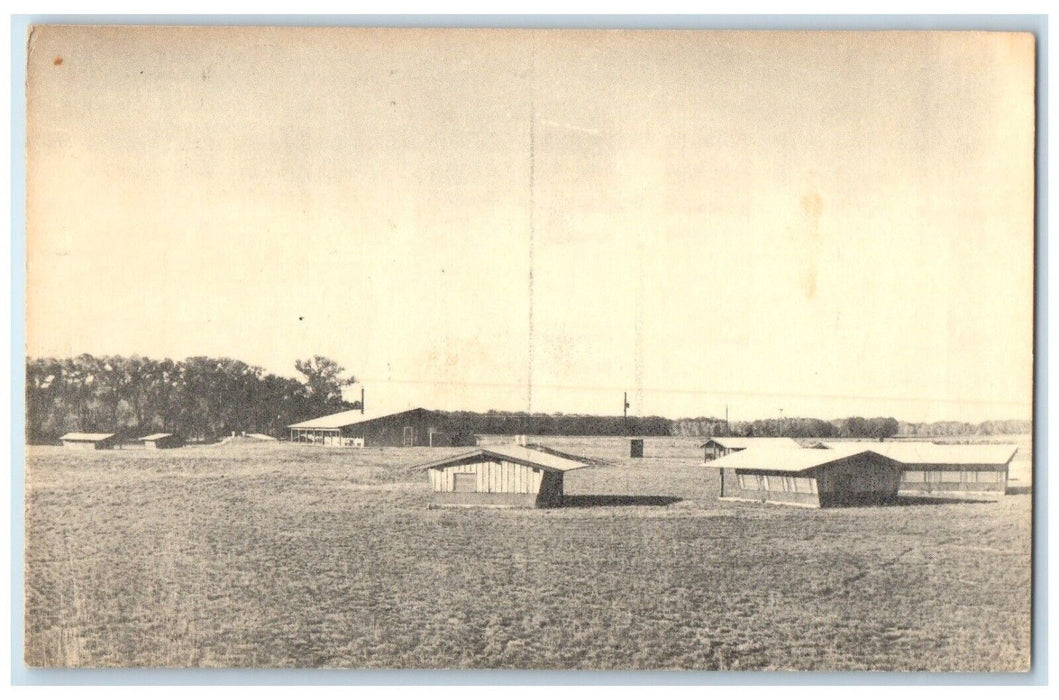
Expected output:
{"points": [[625, 411]]}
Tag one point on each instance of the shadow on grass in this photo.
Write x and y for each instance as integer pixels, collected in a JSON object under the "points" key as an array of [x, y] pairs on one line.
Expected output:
{"points": [[605, 500], [1018, 490], [938, 500]]}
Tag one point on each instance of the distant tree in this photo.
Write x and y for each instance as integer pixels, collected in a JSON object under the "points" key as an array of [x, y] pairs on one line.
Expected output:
{"points": [[79, 374], [323, 379], [44, 394]]}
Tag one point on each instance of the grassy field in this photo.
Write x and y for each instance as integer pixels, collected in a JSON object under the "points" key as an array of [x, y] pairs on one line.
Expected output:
{"points": [[278, 555]]}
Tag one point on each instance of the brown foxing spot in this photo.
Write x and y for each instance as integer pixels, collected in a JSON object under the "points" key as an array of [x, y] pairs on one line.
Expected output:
{"points": [[810, 284], [58, 60]]}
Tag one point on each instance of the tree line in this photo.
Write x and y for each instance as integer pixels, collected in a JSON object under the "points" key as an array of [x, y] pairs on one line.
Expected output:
{"points": [[200, 398], [852, 427], [520, 423], [203, 398]]}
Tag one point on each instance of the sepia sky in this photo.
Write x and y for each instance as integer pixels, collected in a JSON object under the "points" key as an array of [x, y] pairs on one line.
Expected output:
{"points": [[818, 224]]}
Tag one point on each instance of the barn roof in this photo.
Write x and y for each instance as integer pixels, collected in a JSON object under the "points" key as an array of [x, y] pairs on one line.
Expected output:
{"points": [[513, 453], [743, 443], [345, 419], [156, 436], [87, 437], [786, 459], [932, 453]]}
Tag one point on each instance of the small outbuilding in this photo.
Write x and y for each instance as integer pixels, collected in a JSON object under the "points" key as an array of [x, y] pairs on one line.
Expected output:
{"points": [[850, 476], [416, 427], [720, 446], [161, 441], [89, 441], [950, 469], [636, 447], [507, 475]]}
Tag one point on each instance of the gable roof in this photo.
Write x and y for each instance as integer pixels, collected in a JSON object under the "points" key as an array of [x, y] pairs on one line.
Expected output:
{"points": [[789, 459], [345, 419], [512, 453], [932, 453], [743, 443], [156, 436], [87, 437]]}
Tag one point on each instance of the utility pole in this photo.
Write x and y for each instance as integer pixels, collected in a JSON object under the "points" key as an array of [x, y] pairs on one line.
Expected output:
{"points": [[625, 412]]}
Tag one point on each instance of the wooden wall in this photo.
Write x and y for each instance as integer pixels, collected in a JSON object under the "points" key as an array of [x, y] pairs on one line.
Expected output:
{"points": [[863, 479], [714, 451], [80, 445], [778, 487], [164, 443], [551, 493], [492, 477], [388, 431], [946, 478]]}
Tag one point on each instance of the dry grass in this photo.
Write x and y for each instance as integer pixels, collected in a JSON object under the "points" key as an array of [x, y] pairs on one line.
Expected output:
{"points": [[288, 556]]}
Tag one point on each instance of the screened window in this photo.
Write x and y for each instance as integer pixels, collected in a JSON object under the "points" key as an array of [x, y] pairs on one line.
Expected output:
{"points": [[748, 482], [970, 477], [788, 484], [803, 484], [950, 477], [989, 477], [915, 477]]}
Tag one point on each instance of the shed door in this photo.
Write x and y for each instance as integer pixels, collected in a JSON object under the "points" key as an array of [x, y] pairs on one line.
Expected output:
{"points": [[465, 483], [409, 436]]}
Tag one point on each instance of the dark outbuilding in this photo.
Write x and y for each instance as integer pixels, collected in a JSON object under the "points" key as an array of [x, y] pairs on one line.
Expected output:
{"points": [[720, 446], [636, 447], [89, 441], [161, 441], [508, 475], [813, 478]]}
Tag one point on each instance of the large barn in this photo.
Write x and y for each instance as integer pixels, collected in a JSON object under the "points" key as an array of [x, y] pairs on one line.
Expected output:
{"points": [[720, 446], [417, 427], [501, 475], [954, 469], [89, 441], [846, 476]]}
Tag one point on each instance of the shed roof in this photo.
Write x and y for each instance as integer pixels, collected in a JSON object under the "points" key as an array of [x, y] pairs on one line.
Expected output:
{"points": [[743, 443], [87, 437], [786, 459], [513, 453], [932, 453], [345, 419], [156, 436]]}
